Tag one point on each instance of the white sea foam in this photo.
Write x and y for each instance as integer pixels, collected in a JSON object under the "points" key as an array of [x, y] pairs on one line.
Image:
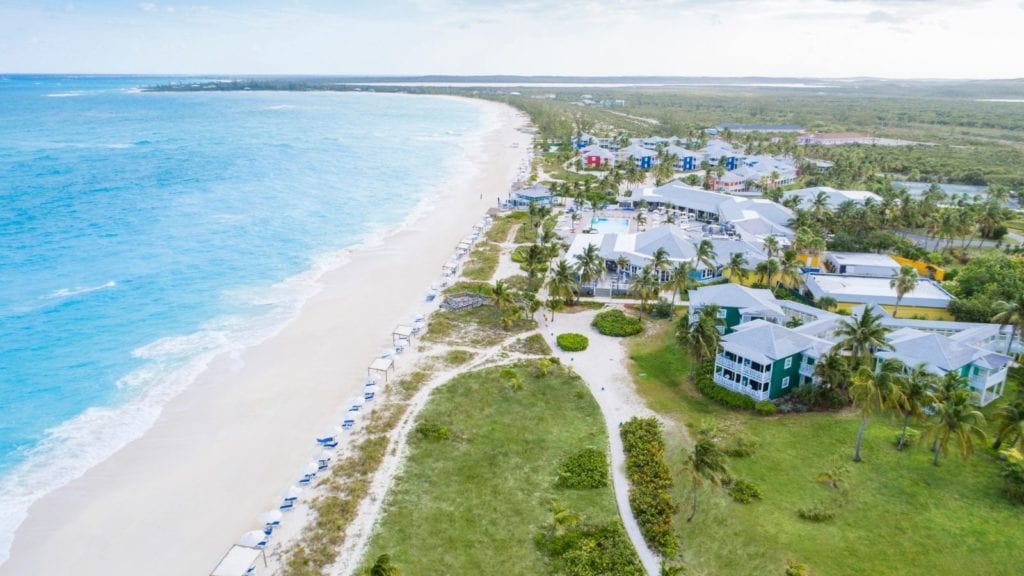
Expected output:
{"points": [[78, 291], [65, 94]]}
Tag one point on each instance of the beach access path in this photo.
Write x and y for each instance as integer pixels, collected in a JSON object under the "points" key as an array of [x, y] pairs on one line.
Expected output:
{"points": [[223, 451], [603, 367]]}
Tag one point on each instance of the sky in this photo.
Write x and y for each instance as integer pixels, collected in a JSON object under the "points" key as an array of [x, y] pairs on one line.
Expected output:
{"points": [[806, 38]]}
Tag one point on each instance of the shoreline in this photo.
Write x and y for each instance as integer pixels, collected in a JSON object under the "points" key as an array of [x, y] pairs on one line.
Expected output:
{"points": [[225, 448]]}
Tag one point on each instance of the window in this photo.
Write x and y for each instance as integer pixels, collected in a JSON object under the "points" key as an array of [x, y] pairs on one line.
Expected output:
{"points": [[789, 363], [785, 382], [721, 312]]}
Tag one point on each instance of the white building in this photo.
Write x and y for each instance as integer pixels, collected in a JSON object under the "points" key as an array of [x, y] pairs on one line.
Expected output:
{"points": [[861, 264]]}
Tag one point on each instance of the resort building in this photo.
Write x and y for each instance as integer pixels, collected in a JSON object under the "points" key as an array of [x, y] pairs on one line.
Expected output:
{"points": [[681, 245], [687, 160], [835, 197], [861, 264], [597, 157], [762, 358], [536, 194], [927, 299], [750, 219], [642, 157], [718, 150]]}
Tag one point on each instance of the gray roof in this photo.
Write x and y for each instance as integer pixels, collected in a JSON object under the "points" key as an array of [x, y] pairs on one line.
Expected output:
{"points": [[636, 151], [765, 342], [913, 346], [535, 191], [683, 196], [835, 197], [731, 295], [678, 244]]}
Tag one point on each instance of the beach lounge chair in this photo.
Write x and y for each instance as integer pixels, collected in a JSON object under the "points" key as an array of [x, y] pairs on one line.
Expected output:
{"points": [[288, 505], [325, 440], [329, 444]]}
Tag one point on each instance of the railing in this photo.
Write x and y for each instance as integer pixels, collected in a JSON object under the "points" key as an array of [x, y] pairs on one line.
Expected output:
{"points": [[742, 370], [807, 369], [742, 389]]}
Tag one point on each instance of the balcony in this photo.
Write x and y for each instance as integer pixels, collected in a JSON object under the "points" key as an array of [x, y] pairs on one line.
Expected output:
{"points": [[746, 390], [807, 369], [743, 370]]}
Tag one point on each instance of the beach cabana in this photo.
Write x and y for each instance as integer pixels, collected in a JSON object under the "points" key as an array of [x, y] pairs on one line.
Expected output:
{"points": [[450, 268], [402, 332], [381, 366], [239, 561]]}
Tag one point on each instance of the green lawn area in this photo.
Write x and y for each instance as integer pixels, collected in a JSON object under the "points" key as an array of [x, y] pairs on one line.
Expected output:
{"points": [[901, 515], [474, 503]]}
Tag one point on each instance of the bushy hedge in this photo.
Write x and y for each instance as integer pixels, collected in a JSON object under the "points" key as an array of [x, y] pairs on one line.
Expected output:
{"points": [[585, 549], [616, 323], [650, 492], [724, 396], [584, 470], [431, 431], [765, 408], [817, 512], [572, 342], [1012, 472], [744, 492], [912, 437]]}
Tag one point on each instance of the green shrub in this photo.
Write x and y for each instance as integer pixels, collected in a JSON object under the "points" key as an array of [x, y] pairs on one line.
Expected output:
{"points": [[650, 493], [430, 431], [765, 408], [662, 309], [584, 470], [797, 569], [519, 254], [616, 323], [724, 396], [912, 437], [583, 549], [744, 492], [1012, 472], [817, 512], [572, 342]]}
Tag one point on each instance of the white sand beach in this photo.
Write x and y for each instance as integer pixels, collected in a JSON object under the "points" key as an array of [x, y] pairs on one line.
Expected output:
{"points": [[223, 451]]}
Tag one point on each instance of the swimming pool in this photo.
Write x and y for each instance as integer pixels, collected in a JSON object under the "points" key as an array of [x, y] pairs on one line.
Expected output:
{"points": [[610, 225]]}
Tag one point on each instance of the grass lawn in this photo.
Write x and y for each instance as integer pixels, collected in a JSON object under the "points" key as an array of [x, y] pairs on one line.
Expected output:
{"points": [[901, 515], [474, 503]]}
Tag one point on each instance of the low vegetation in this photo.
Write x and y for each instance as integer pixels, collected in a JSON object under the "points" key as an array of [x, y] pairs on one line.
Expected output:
{"points": [[483, 262], [572, 342], [533, 345], [479, 327], [616, 323], [587, 468], [479, 501], [650, 491]]}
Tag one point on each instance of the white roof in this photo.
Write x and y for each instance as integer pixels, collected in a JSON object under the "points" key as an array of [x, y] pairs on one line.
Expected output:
{"points": [[913, 346], [404, 331], [683, 196], [636, 151], [732, 295], [382, 364], [863, 259], [875, 290], [535, 191], [595, 150], [237, 561]]}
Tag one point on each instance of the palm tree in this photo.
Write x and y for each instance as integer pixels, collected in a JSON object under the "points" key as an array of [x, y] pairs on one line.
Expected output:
{"points": [[903, 282], [833, 372], [737, 267], [383, 567], [641, 221], [1011, 425], [820, 207], [1012, 313], [681, 280], [645, 286], [917, 396], [706, 254], [536, 260], [575, 218], [871, 392], [706, 463], [701, 336], [562, 283], [771, 245], [789, 269], [502, 296], [862, 335], [590, 265], [827, 303], [959, 420], [660, 261]]}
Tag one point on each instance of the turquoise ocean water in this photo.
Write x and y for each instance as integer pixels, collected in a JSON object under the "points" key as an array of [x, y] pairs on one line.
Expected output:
{"points": [[143, 233]]}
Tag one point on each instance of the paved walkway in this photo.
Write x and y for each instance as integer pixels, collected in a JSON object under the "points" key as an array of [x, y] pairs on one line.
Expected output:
{"points": [[603, 367]]}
